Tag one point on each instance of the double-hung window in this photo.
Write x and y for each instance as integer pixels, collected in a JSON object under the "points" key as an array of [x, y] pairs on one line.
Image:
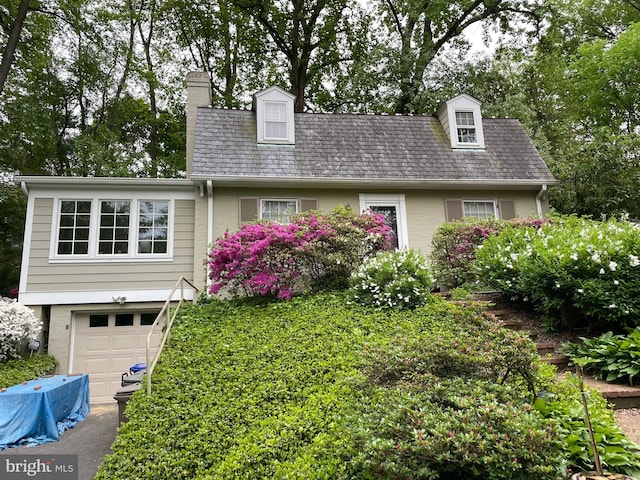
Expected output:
{"points": [[275, 120], [479, 208], [104, 228], [466, 127], [278, 210]]}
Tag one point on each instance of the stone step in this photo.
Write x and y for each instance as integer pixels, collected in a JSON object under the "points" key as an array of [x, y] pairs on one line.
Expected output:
{"points": [[545, 348], [560, 361], [618, 395]]}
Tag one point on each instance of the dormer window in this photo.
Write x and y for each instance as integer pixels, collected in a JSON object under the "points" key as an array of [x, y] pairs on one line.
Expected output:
{"points": [[275, 120], [466, 128], [462, 122], [274, 116]]}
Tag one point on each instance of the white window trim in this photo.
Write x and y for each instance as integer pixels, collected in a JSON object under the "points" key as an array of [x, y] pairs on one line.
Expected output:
{"points": [[496, 213], [477, 121], [368, 200], [269, 199], [274, 95], [94, 228]]}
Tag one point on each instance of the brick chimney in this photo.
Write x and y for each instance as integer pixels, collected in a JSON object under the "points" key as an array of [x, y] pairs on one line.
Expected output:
{"points": [[198, 95]]}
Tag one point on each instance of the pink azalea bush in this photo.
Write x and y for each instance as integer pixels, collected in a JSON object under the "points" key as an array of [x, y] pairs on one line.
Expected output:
{"points": [[315, 251]]}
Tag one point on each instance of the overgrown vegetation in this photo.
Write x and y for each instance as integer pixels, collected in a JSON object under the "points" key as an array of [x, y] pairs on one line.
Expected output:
{"points": [[562, 405], [609, 357], [314, 388], [454, 246], [17, 371], [576, 271]]}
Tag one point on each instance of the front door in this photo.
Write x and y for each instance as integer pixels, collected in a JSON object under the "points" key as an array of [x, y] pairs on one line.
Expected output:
{"points": [[394, 211]]}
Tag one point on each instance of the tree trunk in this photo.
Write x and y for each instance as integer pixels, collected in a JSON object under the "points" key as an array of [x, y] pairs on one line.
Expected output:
{"points": [[12, 42]]}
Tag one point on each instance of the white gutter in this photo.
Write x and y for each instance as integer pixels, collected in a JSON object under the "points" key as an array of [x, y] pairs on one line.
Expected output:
{"points": [[539, 197], [343, 182], [209, 222]]}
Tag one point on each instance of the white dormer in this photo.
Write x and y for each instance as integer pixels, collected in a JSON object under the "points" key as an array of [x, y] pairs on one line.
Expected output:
{"points": [[274, 115], [462, 121]]}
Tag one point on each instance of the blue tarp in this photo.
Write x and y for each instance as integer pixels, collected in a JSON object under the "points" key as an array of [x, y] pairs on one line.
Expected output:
{"points": [[41, 410]]}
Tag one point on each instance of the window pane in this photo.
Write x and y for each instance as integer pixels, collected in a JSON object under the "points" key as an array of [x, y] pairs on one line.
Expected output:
{"points": [[275, 130], [464, 119], [124, 319], [65, 234], [148, 318], [275, 111], [278, 210], [67, 220], [98, 321], [64, 248], [391, 218], [467, 135], [82, 234], [81, 248], [479, 209]]}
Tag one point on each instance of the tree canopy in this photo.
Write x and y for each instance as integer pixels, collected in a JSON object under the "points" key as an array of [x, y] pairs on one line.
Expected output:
{"points": [[96, 87]]}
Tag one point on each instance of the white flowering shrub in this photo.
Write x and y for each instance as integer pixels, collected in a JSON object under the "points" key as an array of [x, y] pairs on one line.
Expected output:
{"points": [[399, 279], [575, 271], [18, 325]]}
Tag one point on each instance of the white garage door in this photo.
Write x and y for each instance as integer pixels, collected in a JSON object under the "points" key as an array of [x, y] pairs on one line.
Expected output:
{"points": [[107, 344]]}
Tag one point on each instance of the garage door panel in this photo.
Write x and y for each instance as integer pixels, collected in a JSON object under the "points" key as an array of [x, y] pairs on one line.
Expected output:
{"points": [[122, 341], [95, 344]]}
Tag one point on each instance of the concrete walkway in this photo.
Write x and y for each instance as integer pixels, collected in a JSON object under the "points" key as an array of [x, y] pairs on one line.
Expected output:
{"points": [[91, 440]]}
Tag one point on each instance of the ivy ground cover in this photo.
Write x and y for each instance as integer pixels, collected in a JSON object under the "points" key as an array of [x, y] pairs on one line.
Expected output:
{"points": [[315, 388]]}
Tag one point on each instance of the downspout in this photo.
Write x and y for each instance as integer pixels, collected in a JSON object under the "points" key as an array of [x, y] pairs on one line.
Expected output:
{"points": [[539, 197], [209, 222], [23, 186]]}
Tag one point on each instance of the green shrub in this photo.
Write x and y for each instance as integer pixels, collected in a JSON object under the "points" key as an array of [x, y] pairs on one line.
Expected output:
{"points": [[454, 246], [563, 405], [17, 371], [313, 388], [398, 279], [575, 271], [610, 357], [461, 430]]}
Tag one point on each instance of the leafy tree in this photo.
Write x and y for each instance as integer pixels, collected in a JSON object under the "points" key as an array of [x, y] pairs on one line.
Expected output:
{"points": [[419, 30], [12, 213], [310, 38]]}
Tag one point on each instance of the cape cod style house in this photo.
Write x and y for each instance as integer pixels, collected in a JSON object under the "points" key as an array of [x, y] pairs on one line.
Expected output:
{"points": [[101, 255]]}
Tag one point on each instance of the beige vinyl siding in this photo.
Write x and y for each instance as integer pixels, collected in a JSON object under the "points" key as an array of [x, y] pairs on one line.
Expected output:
{"points": [[425, 208], [226, 207], [117, 275]]}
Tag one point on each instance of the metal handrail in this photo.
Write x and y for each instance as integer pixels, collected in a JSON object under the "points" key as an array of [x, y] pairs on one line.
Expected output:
{"points": [[168, 323]]}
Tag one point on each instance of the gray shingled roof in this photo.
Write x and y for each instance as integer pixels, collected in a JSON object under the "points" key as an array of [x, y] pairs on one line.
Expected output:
{"points": [[369, 148]]}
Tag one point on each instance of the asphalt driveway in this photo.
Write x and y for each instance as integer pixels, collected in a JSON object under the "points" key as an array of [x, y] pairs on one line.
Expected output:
{"points": [[91, 440]]}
